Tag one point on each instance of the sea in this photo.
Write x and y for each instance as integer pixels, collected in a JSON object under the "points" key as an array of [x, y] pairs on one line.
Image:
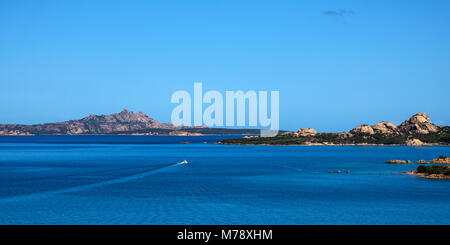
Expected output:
{"points": [[128, 180]]}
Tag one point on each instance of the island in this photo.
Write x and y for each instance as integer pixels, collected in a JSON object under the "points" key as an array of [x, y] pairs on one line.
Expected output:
{"points": [[417, 130], [432, 172], [440, 160], [124, 123]]}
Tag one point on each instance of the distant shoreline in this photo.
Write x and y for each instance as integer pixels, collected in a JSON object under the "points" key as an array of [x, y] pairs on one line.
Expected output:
{"points": [[417, 130], [197, 135], [317, 144], [224, 142]]}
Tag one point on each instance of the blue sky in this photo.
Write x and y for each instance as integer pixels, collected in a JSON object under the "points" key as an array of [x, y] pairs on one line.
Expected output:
{"points": [[337, 64]]}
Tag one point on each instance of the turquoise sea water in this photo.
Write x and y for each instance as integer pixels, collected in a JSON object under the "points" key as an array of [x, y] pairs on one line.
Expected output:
{"points": [[136, 180]]}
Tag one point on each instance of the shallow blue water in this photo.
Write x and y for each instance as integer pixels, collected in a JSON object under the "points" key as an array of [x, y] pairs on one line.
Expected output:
{"points": [[135, 180]]}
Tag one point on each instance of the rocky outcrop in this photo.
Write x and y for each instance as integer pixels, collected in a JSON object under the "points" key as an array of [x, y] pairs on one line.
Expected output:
{"points": [[439, 176], [301, 133], [419, 123], [432, 172], [124, 121], [441, 160], [414, 142], [306, 132], [288, 133], [379, 128], [396, 161], [363, 129], [385, 128]]}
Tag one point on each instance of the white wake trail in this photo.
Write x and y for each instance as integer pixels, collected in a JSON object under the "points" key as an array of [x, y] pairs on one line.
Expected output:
{"points": [[86, 187]]}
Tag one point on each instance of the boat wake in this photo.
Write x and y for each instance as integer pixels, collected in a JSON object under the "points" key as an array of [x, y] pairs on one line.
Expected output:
{"points": [[88, 186]]}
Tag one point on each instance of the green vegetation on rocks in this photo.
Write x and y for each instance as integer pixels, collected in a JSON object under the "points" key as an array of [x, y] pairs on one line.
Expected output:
{"points": [[441, 137], [435, 169], [415, 131]]}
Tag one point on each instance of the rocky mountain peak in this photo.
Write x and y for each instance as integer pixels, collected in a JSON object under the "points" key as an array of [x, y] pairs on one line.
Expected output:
{"points": [[419, 123], [126, 116], [385, 128], [126, 112], [123, 121], [363, 129], [306, 132], [420, 118]]}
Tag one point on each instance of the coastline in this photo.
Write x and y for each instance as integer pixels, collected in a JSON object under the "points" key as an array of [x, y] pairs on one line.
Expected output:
{"points": [[228, 143], [181, 135], [428, 176], [320, 144]]}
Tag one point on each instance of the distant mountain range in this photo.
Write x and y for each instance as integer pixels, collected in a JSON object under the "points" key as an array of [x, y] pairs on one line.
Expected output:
{"points": [[125, 122], [417, 130]]}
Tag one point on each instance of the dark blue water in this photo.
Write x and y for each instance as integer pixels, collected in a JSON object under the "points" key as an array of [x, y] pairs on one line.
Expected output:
{"points": [[136, 180]]}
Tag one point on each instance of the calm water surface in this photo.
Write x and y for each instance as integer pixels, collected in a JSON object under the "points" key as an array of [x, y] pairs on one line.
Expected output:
{"points": [[136, 180]]}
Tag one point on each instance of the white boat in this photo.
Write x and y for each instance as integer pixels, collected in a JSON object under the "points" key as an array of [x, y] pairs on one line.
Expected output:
{"points": [[184, 162]]}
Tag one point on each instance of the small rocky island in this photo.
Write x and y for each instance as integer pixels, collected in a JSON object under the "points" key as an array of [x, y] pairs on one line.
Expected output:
{"points": [[440, 160], [415, 131], [430, 172]]}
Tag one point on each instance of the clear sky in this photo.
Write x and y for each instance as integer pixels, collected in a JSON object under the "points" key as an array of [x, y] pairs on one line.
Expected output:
{"points": [[337, 64]]}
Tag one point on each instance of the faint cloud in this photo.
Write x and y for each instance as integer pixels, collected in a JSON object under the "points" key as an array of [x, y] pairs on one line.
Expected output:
{"points": [[339, 13]]}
